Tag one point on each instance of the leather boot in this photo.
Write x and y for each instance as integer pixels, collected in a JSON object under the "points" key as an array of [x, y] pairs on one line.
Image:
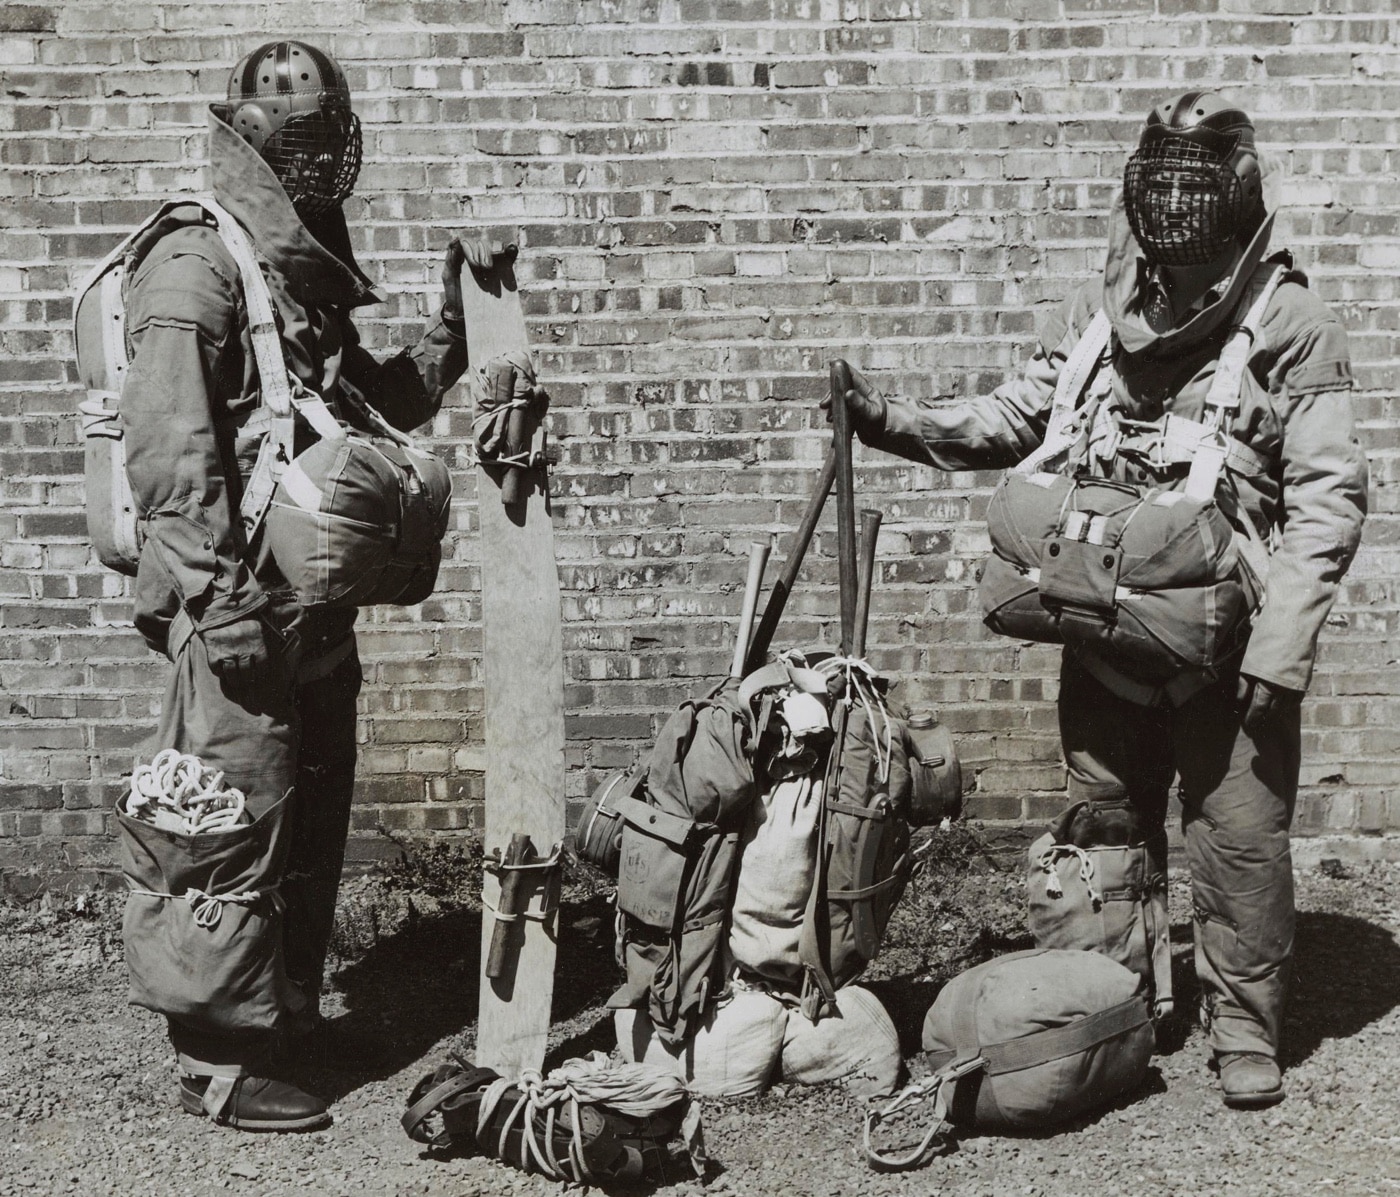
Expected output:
{"points": [[1249, 1080], [253, 1103]]}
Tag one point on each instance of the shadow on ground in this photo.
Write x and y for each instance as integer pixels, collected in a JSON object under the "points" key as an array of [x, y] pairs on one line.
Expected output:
{"points": [[1346, 975], [418, 986]]}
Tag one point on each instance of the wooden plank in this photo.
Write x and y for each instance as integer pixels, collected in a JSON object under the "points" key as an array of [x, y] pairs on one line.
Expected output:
{"points": [[524, 682]]}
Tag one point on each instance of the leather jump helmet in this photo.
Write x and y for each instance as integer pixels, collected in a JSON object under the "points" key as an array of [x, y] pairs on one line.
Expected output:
{"points": [[1193, 185], [291, 102]]}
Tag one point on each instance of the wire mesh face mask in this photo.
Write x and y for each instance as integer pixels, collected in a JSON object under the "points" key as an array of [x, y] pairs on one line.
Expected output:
{"points": [[316, 157], [291, 103], [1185, 201]]}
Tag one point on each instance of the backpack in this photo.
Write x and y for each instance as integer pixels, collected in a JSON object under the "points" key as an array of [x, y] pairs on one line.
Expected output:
{"points": [[324, 544], [672, 837], [1159, 581]]}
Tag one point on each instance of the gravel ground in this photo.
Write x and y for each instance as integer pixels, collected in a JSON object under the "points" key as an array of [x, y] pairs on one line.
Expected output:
{"points": [[87, 1090]]}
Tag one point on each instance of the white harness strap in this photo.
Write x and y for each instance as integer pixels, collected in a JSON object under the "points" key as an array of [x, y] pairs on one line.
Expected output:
{"points": [[1223, 400], [1063, 428], [1205, 444], [281, 392]]}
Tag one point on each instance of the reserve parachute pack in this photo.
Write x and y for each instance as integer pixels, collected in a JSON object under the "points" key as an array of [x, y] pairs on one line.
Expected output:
{"points": [[1159, 581], [357, 518]]}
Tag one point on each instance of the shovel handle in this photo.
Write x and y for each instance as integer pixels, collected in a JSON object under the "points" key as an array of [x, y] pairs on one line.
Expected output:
{"points": [[869, 534], [845, 502], [758, 559], [519, 852], [782, 588]]}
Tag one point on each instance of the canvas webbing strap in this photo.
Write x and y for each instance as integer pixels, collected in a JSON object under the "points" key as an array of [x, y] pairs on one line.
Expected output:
{"points": [[281, 393], [1206, 445], [1223, 399], [1063, 429], [1030, 1051]]}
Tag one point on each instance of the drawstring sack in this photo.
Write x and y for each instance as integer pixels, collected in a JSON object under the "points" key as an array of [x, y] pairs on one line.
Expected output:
{"points": [[1107, 897]]}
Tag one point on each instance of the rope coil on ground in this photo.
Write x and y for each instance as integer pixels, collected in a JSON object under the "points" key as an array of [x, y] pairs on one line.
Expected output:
{"points": [[636, 1090]]}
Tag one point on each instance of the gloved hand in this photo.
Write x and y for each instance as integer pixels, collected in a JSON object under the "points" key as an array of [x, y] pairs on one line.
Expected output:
{"points": [[240, 657], [479, 251], [866, 407], [1264, 703]]}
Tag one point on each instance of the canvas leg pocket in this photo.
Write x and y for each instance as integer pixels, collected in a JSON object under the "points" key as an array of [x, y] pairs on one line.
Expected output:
{"points": [[203, 922]]}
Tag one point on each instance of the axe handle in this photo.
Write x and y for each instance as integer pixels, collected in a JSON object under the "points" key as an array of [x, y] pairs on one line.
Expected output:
{"points": [[869, 533], [521, 851], [512, 480], [782, 588], [758, 558], [845, 503]]}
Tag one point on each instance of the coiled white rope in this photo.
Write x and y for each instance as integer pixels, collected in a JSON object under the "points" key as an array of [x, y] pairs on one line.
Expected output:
{"points": [[179, 792], [636, 1090]]}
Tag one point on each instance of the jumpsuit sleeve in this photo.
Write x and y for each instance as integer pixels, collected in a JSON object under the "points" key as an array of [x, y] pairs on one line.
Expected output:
{"points": [[407, 389], [995, 430], [182, 309], [1323, 505]]}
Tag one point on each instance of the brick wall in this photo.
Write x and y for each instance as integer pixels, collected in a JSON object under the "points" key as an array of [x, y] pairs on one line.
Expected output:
{"points": [[715, 197]]}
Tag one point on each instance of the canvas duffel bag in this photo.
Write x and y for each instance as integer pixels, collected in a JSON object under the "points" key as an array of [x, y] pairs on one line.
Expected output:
{"points": [[360, 520], [1023, 1042], [1152, 580]]}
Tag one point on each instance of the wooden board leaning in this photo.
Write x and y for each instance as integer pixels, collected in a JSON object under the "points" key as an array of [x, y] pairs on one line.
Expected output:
{"points": [[523, 663]]}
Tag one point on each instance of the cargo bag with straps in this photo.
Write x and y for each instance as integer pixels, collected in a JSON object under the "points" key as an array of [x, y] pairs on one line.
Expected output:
{"points": [[1023, 1042], [360, 518], [1148, 578], [1158, 580]]}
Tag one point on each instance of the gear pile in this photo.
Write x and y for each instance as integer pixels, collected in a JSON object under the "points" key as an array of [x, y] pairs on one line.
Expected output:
{"points": [[179, 792]]}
